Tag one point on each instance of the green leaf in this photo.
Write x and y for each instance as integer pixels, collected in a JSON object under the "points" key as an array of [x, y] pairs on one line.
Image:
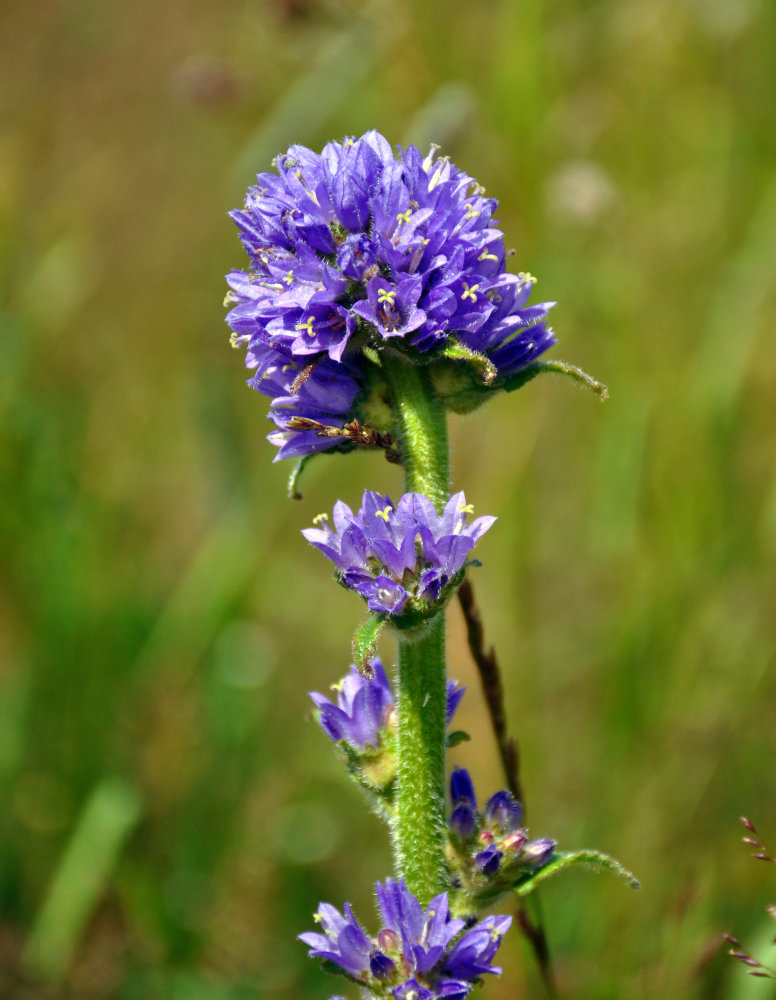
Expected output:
{"points": [[520, 378], [82, 878], [364, 643], [590, 859], [459, 736]]}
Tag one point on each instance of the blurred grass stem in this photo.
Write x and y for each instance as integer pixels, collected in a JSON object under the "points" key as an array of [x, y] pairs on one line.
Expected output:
{"points": [[529, 912]]}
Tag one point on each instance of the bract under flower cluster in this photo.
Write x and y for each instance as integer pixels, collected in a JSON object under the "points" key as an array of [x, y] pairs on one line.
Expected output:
{"points": [[417, 954], [491, 848], [399, 557], [358, 247]]}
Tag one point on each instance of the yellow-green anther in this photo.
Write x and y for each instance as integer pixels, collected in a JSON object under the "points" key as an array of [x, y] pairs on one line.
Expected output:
{"points": [[307, 325], [465, 508], [527, 276], [404, 216], [386, 295], [487, 256], [437, 175], [291, 367], [288, 278], [320, 518], [384, 514], [471, 212], [469, 292]]}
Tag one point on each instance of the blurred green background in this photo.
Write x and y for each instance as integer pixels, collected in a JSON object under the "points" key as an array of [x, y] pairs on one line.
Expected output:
{"points": [[170, 816]]}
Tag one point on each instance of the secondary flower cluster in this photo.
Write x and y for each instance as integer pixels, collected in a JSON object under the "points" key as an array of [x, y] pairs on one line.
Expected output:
{"points": [[417, 954], [357, 248], [491, 848], [403, 557], [363, 723], [364, 716]]}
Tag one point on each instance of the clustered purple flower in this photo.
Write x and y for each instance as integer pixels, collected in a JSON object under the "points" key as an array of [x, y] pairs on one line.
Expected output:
{"points": [[356, 248], [417, 955], [492, 846], [399, 557], [365, 713]]}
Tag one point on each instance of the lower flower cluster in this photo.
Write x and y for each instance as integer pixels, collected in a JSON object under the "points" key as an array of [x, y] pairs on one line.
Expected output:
{"points": [[417, 954], [490, 851]]}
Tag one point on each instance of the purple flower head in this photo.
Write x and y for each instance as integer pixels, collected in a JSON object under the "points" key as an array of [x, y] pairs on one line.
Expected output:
{"points": [[316, 390], [363, 246], [462, 789], [463, 818], [417, 955], [502, 813], [539, 852], [491, 848], [399, 557], [364, 716], [363, 711]]}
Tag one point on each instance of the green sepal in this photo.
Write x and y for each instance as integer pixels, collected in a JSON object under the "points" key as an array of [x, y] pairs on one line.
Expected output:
{"points": [[459, 736], [413, 622], [334, 969], [484, 368], [364, 644], [590, 859], [463, 394], [375, 771], [519, 379]]}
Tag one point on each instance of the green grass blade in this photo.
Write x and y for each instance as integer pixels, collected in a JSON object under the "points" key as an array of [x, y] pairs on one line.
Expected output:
{"points": [[84, 871]]}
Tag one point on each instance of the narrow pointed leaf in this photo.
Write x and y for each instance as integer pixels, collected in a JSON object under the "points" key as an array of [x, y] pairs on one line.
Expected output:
{"points": [[296, 475], [590, 859], [364, 643], [520, 378]]}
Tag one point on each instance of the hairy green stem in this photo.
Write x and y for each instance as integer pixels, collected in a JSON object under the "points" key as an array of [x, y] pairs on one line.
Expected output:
{"points": [[421, 428], [420, 824]]}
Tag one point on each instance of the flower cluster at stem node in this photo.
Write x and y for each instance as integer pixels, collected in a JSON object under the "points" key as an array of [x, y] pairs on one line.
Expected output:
{"points": [[360, 249], [417, 955], [403, 559], [363, 723], [489, 851]]}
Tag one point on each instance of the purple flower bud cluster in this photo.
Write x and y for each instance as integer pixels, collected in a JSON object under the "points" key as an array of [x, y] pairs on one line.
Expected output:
{"points": [[365, 716], [360, 248], [417, 955], [399, 558], [491, 848]]}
